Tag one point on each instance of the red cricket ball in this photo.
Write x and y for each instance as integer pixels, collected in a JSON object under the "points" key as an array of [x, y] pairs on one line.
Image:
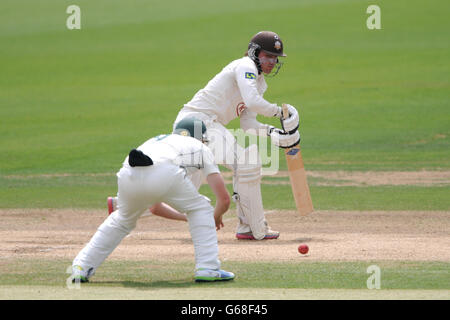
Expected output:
{"points": [[303, 249]]}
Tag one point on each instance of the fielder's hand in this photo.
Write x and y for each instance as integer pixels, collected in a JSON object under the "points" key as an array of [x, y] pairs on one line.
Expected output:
{"points": [[218, 221]]}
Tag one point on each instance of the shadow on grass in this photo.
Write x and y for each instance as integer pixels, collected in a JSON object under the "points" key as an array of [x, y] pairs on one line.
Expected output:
{"points": [[161, 284]]}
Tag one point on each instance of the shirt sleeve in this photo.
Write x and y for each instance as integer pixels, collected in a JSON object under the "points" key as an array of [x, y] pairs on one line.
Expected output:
{"points": [[248, 122], [209, 165], [246, 79]]}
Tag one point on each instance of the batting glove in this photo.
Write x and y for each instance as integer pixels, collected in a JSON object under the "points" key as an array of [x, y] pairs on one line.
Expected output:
{"points": [[282, 139], [290, 125]]}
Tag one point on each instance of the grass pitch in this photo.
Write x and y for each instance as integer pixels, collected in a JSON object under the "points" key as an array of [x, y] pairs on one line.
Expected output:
{"points": [[78, 100], [157, 280], [123, 293]]}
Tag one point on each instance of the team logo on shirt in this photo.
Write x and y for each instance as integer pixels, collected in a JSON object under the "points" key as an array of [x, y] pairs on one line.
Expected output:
{"points": [[240, 108], [250, 75]]}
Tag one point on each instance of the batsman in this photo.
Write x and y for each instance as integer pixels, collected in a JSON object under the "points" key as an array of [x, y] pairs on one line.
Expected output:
{"points": [[237, 92]]}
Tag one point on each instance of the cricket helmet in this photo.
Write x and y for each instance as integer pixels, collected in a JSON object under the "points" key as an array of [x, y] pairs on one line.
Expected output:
{"points": [[268, 42], [191, 127]]}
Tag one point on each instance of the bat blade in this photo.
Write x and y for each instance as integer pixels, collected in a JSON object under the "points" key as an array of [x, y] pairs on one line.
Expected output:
{"points": [[299, 182], [297, 177]]}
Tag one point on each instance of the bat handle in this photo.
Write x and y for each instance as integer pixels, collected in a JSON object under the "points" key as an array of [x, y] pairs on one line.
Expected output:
{"points": [[285, 111]]}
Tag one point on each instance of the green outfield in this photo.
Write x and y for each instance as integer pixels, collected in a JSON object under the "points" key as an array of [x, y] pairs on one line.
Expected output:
{"points": [[26, 278], [74, 102], [306, 275]]}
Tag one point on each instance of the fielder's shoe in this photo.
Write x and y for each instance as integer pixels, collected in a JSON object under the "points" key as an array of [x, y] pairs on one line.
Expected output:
{"points": [[209, 275], [249, 236], [112, 204], [81, 275]]}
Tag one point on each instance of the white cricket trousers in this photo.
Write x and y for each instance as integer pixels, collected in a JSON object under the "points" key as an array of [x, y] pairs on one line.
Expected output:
{"points": [[230, 154], [138, 189]]}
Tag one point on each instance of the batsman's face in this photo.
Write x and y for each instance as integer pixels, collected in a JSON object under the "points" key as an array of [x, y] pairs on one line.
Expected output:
{"points": [[268, 61]]}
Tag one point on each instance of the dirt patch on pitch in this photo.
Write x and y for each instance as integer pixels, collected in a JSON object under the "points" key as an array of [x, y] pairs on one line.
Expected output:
{"points": [[361, 178], [331, 236], [393, 178]]}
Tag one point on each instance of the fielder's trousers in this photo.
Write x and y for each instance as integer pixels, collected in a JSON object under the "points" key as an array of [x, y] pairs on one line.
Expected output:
{"points": [[138, 189]]}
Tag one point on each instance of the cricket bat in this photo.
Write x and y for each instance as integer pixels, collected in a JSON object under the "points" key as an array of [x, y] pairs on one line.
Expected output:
{"points": [[297, 176]]}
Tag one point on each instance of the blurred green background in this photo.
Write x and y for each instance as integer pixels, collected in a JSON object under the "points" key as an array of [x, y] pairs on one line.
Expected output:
{"points": [[74, 102]]}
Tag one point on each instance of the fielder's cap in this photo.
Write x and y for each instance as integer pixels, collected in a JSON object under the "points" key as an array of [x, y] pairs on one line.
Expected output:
{"points": [[191, 127]]}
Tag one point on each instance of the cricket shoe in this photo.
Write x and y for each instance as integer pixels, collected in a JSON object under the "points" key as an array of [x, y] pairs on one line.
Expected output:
{"points": [[112, 204], [249, 236], [81, 275], [209, 275]]}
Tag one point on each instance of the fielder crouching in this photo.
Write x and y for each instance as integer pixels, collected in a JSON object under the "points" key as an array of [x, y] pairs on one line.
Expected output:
{"points": [[159, 171]]}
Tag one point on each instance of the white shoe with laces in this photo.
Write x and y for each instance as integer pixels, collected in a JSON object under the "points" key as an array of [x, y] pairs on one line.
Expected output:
{"points": [[209, 275], [79, 274]]}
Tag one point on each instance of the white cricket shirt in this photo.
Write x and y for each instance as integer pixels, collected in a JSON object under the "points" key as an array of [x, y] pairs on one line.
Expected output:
{"points": [[237, 88], [186, 152]]}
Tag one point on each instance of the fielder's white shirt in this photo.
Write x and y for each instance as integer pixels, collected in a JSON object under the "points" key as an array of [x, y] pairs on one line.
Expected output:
{"points": [[237, 91], [186, 152]]}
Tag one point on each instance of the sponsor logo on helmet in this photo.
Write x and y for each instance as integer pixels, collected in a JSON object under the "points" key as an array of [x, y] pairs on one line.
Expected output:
{"points": [[250, 75], [277, 45]]}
